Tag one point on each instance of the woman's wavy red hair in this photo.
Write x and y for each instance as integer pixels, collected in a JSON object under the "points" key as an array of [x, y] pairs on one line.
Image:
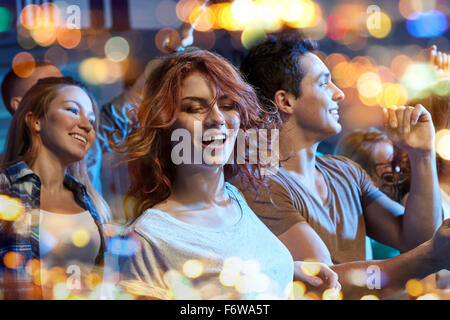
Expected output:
{"points": [[147, 148]]}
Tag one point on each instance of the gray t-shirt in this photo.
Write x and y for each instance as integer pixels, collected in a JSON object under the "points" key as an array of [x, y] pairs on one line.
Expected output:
{"points": [[183, 261], [339, 221]]}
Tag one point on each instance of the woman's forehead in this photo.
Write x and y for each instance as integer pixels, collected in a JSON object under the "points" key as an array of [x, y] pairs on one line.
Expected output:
{"points": [[76, 95], [198, 84]]}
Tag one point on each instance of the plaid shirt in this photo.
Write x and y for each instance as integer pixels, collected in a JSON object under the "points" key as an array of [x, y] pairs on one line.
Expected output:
{"points": [[22, 235]]}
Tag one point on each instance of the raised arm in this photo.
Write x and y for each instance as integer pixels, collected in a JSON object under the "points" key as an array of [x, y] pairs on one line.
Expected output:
{"points": [[411, 129], [440, 61], [404, 228]]}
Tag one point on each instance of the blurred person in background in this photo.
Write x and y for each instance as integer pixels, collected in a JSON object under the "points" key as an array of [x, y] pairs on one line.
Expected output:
{"points": [[436, 99], [15, 87], [387, 166]]}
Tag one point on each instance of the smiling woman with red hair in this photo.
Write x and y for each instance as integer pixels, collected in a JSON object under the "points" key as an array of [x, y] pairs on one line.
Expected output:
{"points": [[148, 147], [192, 226]]}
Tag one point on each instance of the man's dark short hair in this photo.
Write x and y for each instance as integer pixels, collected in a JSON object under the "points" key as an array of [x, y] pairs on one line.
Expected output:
{"points": [[10, 85], [275, 65]]}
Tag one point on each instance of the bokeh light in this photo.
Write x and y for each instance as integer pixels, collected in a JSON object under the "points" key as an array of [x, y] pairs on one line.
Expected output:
{"points": [[25, 40], [369, 85], [355, 42], [193, 268], [54, 275], [254, 282], [44, 35], [11, 209], [229, 277], [429, 296], [80, 238], [60, 291], [392, 94], [5, 19], [243, 11], [251, 267], [202, 18], [93, 70], [93, 280], [31, 16], [399, 64], [344, 74], [31, 265], [334, 58], [251, 37], [357, 277], [414, 287], [180, 287], [337, 26], [167, 40], [310, 268], [13, 260], [23, 64], [68, 38], [266, 16], [117, 49], [307, 14], [184, 8], [379, 24], [297, 291], [408, 7], [427, 24], [443, 143], [370, 297], [231, 271], [332, 294], [226, 19], [418, 76]]}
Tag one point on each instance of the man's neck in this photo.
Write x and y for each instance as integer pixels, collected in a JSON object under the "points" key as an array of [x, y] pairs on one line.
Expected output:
{"points": [[299, 150]]}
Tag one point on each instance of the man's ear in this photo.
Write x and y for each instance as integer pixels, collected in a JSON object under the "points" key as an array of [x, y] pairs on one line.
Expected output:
{"points": [[32, 123], [282, 99], [14, 103]]}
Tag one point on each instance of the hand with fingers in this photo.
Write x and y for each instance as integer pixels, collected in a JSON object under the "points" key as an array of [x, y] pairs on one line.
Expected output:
{"points": [[316, 274], [410, 128], [440, 61]]}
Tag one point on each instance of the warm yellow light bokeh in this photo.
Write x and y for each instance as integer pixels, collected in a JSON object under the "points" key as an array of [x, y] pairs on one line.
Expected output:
{"points": [[192, 268], [10, 208], [379, 24], [443, 144], [80, 238]]}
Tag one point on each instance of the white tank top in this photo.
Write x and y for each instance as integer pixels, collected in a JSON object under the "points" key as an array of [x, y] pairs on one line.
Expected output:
{"points": [[69, 245]]}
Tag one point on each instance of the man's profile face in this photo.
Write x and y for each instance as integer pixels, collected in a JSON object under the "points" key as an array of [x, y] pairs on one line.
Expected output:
{"points": [[316, 110], [26, 84]]}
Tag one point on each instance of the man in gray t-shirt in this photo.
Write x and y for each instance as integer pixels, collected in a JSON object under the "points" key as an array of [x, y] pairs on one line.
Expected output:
{"points": [[339, 221], [322, 207]]}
